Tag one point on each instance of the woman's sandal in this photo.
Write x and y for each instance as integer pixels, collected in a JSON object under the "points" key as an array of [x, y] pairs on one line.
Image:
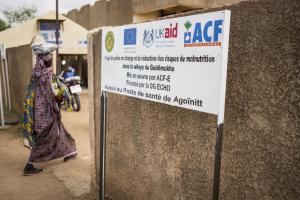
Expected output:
{"points": [[70, 157], [30, 170]]}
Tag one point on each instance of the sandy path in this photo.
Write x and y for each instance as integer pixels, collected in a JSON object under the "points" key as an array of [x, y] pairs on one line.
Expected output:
{"points": [[60, 181]]}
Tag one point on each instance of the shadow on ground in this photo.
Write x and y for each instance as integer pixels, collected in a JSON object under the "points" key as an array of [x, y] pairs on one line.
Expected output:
{"points": [[60, 181]]}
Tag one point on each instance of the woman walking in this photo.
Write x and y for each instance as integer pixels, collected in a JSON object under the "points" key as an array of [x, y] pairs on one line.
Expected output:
{"points": [[42, 124]]}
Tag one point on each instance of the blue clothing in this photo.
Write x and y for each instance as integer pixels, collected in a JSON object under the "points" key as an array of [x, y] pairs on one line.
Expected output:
{"points": [[68, 74]]}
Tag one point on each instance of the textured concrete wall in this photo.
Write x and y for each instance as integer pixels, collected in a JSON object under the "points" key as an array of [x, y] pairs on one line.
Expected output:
{"points": [[261, 155], [146, 17], [100, 16], [94, 61], [19, 69], [142, 7], [103, 13], [218, 3], [156, 151]]}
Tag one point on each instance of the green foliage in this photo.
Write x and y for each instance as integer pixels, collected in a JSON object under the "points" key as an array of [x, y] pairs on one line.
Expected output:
{"points": [[19, 15], [188, 25], [3, 25]]}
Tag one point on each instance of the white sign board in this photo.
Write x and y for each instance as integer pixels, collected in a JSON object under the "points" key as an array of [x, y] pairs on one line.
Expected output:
{"points": [[180, 61], [2, 51], [49, 36]]}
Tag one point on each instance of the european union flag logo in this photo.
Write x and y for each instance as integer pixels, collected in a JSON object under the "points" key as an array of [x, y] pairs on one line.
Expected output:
{"points": [[130, 36]]}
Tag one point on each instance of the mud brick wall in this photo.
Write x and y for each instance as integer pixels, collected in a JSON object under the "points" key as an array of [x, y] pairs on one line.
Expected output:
{"points": [[156, 151], [20, 63], [103, 13]]}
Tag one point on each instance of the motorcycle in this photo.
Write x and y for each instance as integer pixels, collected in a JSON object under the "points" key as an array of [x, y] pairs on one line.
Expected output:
{"points": [[73, 84]]}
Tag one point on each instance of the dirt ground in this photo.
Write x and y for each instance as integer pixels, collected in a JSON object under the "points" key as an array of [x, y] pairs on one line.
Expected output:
{"points": [[60, 181]]}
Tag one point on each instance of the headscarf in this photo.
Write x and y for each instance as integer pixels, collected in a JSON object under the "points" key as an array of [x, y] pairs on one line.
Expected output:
{"points": [[40, 46]]}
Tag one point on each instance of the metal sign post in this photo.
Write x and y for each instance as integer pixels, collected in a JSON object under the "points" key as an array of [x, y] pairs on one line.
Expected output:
{"points": [[217, 168], [102, 145], [1, 106], [57, 27], [1, 101], [7, 81], [4, 82]]}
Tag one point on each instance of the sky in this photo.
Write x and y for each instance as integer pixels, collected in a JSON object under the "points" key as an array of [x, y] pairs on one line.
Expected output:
{"points": [[45, 5]]}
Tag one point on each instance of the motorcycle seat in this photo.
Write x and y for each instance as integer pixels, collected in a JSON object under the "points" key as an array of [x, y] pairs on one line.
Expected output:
{"points": [[74, 78]]}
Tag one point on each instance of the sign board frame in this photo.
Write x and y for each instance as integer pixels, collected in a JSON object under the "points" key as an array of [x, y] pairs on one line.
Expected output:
{"points": [[220, 112], [176, 61]]}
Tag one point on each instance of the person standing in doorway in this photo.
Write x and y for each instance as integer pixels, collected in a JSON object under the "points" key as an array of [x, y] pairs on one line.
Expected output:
{"points": [[42, 124]]}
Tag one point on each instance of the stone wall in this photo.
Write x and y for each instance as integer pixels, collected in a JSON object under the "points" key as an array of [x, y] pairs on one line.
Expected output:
{"points": [[94, 61], [142, 6], [103, 13], [19, 69], [155, 151]]}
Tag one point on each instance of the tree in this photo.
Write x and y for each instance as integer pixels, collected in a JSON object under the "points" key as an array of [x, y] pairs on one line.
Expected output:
{"points": [[3, 25], [19, 15]]}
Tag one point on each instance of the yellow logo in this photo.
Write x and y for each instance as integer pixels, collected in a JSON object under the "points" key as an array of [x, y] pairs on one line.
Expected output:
{"points": [[109, 41]]}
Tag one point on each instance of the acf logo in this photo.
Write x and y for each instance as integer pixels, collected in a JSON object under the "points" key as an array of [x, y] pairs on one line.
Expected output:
{"points": [[109, 41], [203, 34]]}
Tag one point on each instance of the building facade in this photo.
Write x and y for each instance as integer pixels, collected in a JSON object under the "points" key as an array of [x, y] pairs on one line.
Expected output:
{"points": [[17, 40]]}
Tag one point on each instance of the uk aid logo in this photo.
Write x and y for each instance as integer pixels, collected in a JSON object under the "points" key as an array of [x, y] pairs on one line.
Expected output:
{"points": [[203, 34], [150, 36], [130, 36]]}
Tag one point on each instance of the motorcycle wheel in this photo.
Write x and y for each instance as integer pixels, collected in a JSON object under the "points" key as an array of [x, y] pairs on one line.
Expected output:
{"points": [[76, 103]]}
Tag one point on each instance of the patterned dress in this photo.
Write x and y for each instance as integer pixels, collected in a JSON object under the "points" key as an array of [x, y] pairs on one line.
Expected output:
{"points": [[42, 118]]}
